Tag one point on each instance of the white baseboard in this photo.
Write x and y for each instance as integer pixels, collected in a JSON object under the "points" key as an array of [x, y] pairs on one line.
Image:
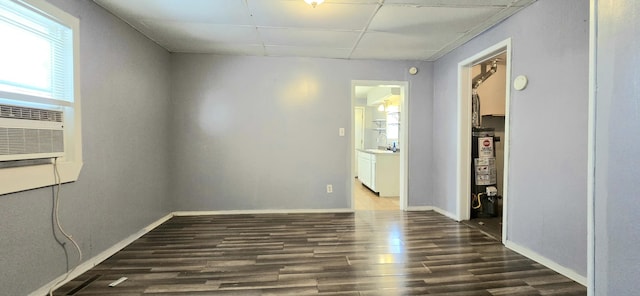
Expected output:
{"points": [[88, 264], [241, 212], [570, 273], [436, 209], [420, 209]]}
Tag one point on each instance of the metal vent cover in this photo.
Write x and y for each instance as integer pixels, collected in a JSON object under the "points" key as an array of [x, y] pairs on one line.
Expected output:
{"points": [[26, 113], [14, 141], [30, 133]]}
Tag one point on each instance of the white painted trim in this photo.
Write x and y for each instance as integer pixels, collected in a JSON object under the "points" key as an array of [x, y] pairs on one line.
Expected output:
{"points": [[30, 177], [591, 162], [243, 212], [404, 141], [507, 147], [87, 265], [570, 273], [435, 209], [420, 208], [463, 188], [95, 260], [463, 161], [404, 137]]}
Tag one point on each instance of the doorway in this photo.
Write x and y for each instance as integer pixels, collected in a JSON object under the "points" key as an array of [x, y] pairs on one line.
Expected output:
{"points": [[483, 179], [378, 146]]}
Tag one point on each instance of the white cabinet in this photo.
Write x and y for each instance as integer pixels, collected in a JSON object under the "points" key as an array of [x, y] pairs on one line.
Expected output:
{"points": [[364, 168], [380, 172]]}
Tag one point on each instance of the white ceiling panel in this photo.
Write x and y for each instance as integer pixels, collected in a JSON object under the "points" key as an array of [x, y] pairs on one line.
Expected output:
{"points": [[308, 38], [298, 14], [286, 51], [388, 41], [222, 49], [393, 29], [411, 54], [167, 31], [428, 19], [450, 3], [215, 12]]}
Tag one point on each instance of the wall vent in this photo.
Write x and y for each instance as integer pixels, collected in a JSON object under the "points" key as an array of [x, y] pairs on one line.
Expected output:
{"points": [[30, 133]]}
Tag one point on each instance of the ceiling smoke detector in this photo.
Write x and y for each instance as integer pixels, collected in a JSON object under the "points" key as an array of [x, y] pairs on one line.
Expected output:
{"points": [[314, 3]]}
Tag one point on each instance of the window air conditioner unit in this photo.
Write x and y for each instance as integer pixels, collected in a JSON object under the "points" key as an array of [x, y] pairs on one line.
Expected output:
{"points": [[30, 133]]}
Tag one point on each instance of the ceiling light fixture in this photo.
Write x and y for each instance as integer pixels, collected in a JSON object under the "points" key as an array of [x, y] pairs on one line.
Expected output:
{"points": [[314, 3]]}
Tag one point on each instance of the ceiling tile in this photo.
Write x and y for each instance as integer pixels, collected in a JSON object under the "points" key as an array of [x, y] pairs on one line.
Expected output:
{"points": [[222, 49], [452, 3], [336, 53], [299, 14], [308, 37], [163, 32], [216, 12], [401, 53], [430, 19], [393, 41], [401, 29]]}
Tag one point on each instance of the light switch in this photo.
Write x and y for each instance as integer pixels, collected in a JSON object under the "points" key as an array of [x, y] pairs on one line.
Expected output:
{"points": [[341, 131]]}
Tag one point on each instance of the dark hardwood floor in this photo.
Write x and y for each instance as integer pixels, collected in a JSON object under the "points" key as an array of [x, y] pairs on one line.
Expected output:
{"points": [[362, 253], [492, 226]]}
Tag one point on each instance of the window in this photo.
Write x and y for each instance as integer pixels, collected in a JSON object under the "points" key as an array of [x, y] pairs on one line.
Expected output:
{"points": [[39, 61], [393, 123]]}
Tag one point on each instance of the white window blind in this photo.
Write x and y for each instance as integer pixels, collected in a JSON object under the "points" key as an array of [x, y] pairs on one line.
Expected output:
{"points": [[36, 55], [39, 64]]}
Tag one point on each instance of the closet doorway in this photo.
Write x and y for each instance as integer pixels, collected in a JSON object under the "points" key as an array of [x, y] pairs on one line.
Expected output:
{"points": [[484, 92]]}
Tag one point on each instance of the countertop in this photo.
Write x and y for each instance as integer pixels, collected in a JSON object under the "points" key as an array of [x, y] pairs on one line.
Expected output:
{"points": [[378, 151]]}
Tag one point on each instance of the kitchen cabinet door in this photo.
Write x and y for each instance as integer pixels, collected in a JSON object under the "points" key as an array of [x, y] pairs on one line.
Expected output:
{"points": [[364, 168]]}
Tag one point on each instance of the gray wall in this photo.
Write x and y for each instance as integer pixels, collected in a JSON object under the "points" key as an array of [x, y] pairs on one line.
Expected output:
{"points": [[258, 133], [617, 232], [548, 161], [123, 185]]}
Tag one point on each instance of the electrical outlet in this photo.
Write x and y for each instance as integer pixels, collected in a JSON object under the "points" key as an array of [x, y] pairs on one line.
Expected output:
{"points": [[329, 188], [341, 131]]}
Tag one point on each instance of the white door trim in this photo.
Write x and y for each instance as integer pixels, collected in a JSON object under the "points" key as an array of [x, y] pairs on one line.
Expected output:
{"points": [[354, 171], [593, 42], [404, 137], [463, 182]]}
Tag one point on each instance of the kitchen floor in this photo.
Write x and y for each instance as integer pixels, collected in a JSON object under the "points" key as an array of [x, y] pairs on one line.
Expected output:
{"points": [[367, 200]]}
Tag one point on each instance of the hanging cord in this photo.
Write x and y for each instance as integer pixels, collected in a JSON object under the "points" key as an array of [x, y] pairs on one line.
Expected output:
{"points": [[56, 201], [476, 197]]}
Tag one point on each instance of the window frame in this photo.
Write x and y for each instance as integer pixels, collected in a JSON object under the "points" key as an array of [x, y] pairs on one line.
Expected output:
{"points": [[14, 179]]}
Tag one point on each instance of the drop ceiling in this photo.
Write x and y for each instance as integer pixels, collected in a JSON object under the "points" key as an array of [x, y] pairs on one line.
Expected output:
{"points": [[347, 29]]}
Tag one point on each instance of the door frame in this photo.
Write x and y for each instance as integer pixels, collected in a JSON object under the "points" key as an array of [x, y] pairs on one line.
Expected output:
{"points": [[463, 179], [404, 137], [362, 130]]}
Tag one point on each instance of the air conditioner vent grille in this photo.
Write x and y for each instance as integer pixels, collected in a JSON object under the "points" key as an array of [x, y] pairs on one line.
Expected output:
{"points": [[27, 113], [16, 141]]}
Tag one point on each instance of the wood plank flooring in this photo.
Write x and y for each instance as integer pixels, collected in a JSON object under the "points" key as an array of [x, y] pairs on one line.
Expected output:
{"points": [[367, 200], [492, 226], [362, 253]]}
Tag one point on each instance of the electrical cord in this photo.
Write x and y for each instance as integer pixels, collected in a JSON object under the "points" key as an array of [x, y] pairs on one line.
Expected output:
{"points": [[56, 201]]}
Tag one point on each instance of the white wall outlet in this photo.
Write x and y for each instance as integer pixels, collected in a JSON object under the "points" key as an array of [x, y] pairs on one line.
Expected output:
{"points": [[341, 131], [329, 188]]}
